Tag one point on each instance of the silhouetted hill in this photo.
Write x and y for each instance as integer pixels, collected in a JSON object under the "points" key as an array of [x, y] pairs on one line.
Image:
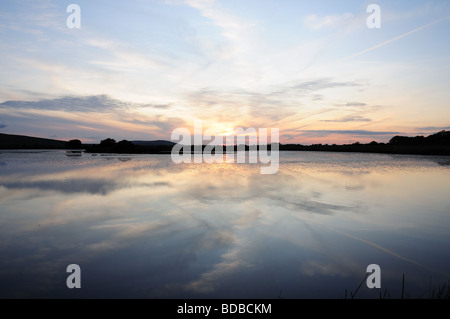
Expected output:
{"points": [[10, 141]]}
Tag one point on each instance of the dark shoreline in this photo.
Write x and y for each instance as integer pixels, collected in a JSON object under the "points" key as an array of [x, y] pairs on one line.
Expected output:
{"points": [[436, 150], [436, 144], [443, 150]]}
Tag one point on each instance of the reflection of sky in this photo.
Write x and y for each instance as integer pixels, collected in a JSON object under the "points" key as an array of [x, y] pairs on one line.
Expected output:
{"points": [[144, 227]]}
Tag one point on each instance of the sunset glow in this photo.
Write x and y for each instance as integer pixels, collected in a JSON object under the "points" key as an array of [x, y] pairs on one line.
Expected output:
{"points": [[138, 70]]}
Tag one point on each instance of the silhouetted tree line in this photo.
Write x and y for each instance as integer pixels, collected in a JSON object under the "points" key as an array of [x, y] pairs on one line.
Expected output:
{"points": [[74, 144], [225, 148], [110, 145], [441, 138], [436, 144]]}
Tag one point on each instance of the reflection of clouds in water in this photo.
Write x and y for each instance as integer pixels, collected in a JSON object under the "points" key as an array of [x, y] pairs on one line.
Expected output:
{"points": [[217, 238], [355, 188], [215, 228], [313, 268], [125, 230], [353, 173], [200, 226], [208, 281], [91, 186], [370, 243], [283, 190], [215, 234], [213, 189], [132, 228], [251, 190], [204, 241], [339, 264], [18, 194], [221, 209], [156, 184], [249, 218], [304, 204]]}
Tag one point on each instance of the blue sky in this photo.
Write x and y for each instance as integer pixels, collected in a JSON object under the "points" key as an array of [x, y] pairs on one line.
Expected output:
{"points": [[139, 69]]}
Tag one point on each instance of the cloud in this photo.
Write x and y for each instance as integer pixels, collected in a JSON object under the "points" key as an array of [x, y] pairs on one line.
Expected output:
{"points": [[434, 128], [264, 107], [235, 31], [349, 119], [79, 104], [360, 133], [37, 14], [235, 106], [158, 106], [314, 22], [321, 84], [78, 117], [3, 125], [231, 25], [165, 125], [352, 104]]}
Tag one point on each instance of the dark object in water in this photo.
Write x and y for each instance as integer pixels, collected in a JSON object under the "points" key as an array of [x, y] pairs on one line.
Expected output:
{"points": [[73, 153]]}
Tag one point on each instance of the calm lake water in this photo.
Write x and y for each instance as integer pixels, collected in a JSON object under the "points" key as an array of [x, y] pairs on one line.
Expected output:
{"points": [[140, 226]]}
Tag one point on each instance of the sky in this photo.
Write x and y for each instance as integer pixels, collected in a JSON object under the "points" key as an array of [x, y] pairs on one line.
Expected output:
{"points": [[139, 69]]}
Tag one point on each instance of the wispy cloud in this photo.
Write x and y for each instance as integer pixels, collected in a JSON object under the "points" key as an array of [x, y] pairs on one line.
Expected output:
{"points": [[84, 104], [232, 56], [232, 26], [349, 119], [362, 133], [321, 84], [174, 60], [434, 128], [81, 104], [79, 116], [314, 22], [352, 104], [259, 108]]}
